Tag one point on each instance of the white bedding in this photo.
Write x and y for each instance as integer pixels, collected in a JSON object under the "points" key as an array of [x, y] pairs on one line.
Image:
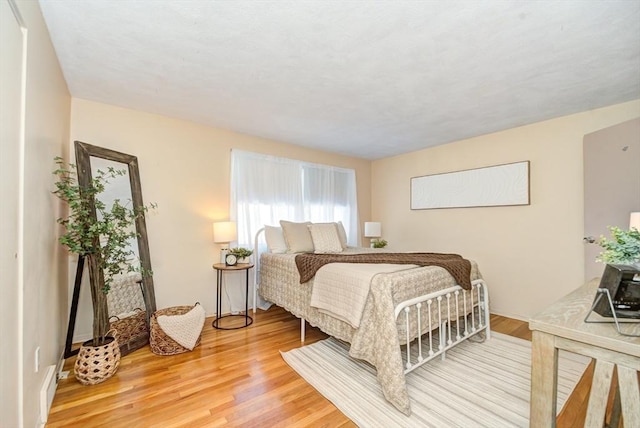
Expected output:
{"points": [[341, 289], [378, 338]]}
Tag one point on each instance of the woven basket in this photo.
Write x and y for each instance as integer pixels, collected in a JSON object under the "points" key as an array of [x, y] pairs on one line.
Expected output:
{"points": [[96, 364], [160, 343], [132, 331]]}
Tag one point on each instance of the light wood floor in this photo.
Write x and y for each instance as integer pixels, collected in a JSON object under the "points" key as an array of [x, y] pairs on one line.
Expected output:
{"points": [[234, 378]]}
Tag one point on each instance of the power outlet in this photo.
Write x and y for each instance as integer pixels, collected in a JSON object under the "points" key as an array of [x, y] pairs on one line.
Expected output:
{"points": [[37, 359]]}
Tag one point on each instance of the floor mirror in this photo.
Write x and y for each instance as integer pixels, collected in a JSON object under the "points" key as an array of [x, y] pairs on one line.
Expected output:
{"points": [[130, 302]]}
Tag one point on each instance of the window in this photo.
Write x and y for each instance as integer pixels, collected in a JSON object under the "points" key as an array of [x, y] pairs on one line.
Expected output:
{"points": [[266, 189]]}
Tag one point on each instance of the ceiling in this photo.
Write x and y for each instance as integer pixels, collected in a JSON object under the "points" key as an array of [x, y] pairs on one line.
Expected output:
{"points": [[369, 79]]}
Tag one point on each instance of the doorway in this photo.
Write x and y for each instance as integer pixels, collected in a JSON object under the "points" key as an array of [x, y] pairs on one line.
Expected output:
{"points": [[611, 185]]}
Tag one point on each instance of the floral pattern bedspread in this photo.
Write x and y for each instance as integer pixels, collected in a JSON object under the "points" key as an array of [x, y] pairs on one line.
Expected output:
{"points": [[378, 338]]}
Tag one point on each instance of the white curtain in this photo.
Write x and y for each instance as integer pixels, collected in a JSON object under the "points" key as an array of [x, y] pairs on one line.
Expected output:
{"points": [[266, 189]]}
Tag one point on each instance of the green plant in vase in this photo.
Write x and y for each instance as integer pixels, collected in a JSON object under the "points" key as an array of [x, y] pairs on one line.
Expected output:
{"points": [[101, 234], [379, 243], [241, 254], [623, 248]]}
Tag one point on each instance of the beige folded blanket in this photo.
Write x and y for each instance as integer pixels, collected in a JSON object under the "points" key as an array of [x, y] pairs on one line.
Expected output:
{"points": [[341, 289], [184, 329]]}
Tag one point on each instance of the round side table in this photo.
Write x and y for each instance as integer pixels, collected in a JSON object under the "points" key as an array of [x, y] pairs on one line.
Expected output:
{"points": [[221, 269]]}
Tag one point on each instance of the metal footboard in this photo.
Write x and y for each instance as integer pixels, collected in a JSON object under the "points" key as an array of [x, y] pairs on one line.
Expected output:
{"points": [[458, 315]]}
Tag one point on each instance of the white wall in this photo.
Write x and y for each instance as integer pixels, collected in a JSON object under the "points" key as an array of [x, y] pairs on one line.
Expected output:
{"points": [[36, 315], [611, 169], [185, 169], [529, 255]]}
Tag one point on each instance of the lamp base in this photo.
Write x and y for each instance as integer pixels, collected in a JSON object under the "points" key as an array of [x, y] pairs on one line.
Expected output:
{"points": [[223, 255]]}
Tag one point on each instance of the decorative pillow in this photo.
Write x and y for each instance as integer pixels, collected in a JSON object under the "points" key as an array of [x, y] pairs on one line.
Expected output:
{"points": [[297, 237], [342, 234], [275, 239], [325, 238]]}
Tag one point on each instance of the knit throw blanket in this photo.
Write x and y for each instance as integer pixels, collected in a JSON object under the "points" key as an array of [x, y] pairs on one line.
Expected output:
{"points": [[459, 268], [184, 329]]}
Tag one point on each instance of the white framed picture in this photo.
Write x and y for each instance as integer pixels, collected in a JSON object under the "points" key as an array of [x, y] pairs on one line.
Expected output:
{"points": [[498, 185]]}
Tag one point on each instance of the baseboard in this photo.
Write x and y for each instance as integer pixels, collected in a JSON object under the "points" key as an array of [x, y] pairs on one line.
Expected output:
{"points": [[60, 366], [81, 338], [508, 315], [47, 392]]}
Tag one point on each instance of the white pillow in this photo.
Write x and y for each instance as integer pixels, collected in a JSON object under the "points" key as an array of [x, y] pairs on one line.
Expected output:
{"points": [[342, 234], [325, 238], [297, 237], [275, 239]]}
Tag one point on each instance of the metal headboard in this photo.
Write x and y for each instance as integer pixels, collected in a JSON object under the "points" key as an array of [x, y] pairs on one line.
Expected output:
{"points": [[256, 271]]}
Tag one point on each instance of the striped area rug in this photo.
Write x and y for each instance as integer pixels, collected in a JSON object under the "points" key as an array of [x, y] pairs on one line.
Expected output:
{"points": [[478, 385]]}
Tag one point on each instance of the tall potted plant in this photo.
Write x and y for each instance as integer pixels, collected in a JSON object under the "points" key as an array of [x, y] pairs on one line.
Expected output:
{"points": [[100, 234]]}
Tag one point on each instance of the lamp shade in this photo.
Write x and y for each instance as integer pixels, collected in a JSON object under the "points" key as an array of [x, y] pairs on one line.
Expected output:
{"points": [[372, 229], [224, 232], [634, 220]]}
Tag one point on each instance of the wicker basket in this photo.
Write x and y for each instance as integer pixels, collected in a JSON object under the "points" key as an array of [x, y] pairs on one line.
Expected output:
{"points": [[160, 343], [96, 364], [132, 331]]}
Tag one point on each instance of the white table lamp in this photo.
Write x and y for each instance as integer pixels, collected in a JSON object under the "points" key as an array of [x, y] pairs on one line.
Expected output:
{"points": [[372, 229], [634, 220], [224, 232]]}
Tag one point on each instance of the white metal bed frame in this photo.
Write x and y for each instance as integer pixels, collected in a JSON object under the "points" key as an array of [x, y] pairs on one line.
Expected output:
{"points": [[454, 328], [464, 318]]}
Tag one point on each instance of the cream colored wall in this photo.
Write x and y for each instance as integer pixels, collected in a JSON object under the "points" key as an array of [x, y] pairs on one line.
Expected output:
{"points": [[38, 317], [12, 41], [185, 169], [529, 255]]}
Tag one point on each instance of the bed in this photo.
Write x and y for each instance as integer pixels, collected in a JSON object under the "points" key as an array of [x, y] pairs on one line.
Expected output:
{"points": [[399, 304]]}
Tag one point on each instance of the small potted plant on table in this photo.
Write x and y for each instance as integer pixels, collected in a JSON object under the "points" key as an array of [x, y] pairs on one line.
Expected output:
{"points": [[623, 248], [378, 243], [242, 254]]}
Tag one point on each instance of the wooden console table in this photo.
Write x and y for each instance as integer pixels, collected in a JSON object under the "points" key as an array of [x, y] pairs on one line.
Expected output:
{"points": [[562, 326]]}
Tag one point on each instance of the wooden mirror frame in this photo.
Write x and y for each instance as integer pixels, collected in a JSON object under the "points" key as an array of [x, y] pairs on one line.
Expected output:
{"points": [[84, 152]]}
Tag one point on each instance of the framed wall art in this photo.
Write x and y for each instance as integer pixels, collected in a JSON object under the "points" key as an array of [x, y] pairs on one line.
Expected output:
{"points": [[498, 185]]}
